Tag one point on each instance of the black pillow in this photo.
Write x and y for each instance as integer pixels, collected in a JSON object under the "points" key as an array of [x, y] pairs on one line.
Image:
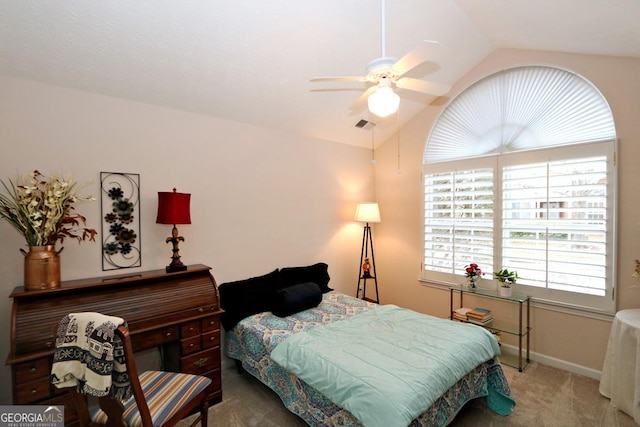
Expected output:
{"points": [[296, 298], [316, 273], [246, 297]]}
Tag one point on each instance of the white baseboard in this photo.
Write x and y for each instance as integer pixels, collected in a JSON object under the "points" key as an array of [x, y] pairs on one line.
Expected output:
{"points": [[556, 363]]}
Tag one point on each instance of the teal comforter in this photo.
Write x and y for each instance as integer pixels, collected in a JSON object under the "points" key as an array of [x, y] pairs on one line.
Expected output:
{"points": [[388, 365]]}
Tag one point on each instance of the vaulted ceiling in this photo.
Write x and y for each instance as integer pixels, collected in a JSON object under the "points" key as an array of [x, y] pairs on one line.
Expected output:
{"points": [[252, 60]]}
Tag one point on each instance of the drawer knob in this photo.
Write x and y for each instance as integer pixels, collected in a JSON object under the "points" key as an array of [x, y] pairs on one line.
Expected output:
{"points": [[201, 362], [191, 329], [33, 369], [168, 334], [201, 309], [191, 345], [212, 338], [34, 391]]}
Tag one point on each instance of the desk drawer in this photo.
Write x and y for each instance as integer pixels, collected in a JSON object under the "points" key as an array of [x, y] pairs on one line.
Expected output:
{"points": [[210, 339], [32, 391], [211, 324], [29, 371], [190, 329], [151, 339], [202, 361], [190, 345]]}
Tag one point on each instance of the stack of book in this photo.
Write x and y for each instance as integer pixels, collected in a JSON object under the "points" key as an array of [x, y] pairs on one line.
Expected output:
{"points": [[460, 314], [479, 316]]}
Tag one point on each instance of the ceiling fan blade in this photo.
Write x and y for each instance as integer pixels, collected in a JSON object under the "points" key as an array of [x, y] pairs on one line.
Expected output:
{"points": [[335, 89], [423, 86], [340, 79], [417, 56], [362, 100]]}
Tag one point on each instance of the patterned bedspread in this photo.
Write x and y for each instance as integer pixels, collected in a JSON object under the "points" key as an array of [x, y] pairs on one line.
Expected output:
{"points": [[252, 340]]}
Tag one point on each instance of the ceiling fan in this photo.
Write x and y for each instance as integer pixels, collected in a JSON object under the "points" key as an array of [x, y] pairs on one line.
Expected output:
{"points": [[385, 72]]}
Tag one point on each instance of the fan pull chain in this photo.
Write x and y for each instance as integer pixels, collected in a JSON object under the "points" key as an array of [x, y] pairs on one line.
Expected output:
{"points": [[373, 158], [398, 170]]}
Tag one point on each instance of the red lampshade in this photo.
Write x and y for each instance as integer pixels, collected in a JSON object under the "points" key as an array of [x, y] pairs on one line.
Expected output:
{"points": [[173, 208]]}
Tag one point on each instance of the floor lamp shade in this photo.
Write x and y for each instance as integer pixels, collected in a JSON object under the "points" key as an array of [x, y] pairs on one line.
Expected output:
{"points": [[367, 212], [174, 208]]}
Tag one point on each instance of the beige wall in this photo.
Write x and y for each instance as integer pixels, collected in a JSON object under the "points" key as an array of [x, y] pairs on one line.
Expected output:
{"points": [[260, 199], [571, 339]]}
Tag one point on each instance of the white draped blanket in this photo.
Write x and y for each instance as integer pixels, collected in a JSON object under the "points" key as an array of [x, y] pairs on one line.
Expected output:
{"points": [[84, 358]]}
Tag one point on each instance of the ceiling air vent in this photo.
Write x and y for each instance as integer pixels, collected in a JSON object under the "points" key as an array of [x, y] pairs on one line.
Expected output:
{"points": [[365, 124]]}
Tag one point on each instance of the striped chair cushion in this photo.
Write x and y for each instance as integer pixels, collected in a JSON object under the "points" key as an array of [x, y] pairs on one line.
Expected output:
{"points": [[166, 393]]}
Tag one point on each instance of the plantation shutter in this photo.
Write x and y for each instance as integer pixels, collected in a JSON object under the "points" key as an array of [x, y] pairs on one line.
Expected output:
{"points": [[554, 226], [459, 220], [525, 156]]}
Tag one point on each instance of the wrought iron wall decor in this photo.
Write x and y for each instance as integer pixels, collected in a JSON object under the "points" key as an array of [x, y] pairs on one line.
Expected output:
{"points": [[120, 204]]}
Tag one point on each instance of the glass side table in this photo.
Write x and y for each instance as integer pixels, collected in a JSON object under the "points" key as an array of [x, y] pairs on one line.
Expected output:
{"points": [[497, 325]]}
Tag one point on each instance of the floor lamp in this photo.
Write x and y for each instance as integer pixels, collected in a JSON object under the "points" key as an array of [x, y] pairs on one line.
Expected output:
{"points": [[367, 213]]}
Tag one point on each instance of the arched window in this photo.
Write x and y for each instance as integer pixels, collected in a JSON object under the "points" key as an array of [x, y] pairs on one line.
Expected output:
{"points": [[519, 173]]}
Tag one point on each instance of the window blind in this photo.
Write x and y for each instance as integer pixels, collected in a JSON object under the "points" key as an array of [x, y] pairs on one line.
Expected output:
{"points": [[518, 109]]}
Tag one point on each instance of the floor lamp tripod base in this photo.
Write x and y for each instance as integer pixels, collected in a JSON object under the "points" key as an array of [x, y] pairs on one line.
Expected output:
{"points": [[367, 269]]}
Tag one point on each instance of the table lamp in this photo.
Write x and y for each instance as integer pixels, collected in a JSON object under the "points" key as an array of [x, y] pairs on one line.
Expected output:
{"points": [[173, 208]]}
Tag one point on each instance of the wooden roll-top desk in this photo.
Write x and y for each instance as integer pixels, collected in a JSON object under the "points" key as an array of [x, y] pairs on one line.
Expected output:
{"points": [[177, 312]]}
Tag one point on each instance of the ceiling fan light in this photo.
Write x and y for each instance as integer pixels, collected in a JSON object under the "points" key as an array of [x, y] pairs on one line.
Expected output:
{"points": [[383, 102]]}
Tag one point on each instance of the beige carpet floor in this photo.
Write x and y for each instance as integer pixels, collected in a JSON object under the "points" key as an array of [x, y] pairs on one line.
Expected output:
{"points": [[545, 396]]}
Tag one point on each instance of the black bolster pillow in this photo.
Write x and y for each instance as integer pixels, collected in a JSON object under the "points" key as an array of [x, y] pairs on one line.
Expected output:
{"points": [[296, 298]]}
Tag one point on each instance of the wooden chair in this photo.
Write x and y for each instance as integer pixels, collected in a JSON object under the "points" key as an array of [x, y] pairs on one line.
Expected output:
{"points": [[158, 398]]}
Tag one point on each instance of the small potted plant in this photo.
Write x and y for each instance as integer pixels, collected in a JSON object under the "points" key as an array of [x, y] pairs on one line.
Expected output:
{"points": [[506, 279]]}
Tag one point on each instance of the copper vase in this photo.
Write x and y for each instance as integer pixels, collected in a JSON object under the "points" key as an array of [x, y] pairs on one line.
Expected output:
{"points": [[41, 267]]}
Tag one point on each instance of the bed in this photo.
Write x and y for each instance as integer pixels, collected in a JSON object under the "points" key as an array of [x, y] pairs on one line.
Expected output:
{"points": [[264, 329]]}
